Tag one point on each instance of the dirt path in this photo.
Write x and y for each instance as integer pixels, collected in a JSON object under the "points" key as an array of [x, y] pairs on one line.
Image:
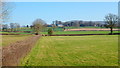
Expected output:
{"points": [[12, 54]]}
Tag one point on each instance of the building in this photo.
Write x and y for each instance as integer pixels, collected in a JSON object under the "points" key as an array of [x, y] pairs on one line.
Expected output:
{"points": [[78, 23]]}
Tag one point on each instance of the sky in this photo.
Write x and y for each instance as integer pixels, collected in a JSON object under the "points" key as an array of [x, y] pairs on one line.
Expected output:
{"points": [[25, 13], [61, 0]]}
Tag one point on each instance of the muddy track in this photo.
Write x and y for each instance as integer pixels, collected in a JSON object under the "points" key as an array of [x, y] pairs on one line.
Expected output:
{"points": [[12, 54]]}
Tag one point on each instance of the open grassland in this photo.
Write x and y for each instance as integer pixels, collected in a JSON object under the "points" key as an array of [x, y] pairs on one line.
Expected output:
{"points": [[8, 39], [59, 30], [14, 33], [81, 32], [74, 51], [65, 32]]}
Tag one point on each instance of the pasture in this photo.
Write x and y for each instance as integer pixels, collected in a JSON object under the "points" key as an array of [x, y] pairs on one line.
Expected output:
{"points": [[80, 32], [74, 51], [59, 30], [14, 33], [8, 39]]}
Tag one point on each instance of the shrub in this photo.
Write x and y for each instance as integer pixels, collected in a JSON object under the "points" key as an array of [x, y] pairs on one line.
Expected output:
{"points": [[50, 31]]}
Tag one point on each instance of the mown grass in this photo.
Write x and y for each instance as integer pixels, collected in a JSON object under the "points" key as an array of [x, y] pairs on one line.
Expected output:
{"points": [[8, 39], [74, 51], [81, 32]]}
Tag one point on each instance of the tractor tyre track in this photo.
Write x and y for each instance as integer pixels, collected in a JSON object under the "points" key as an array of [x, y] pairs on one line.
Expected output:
{"points": [[12, 54]]}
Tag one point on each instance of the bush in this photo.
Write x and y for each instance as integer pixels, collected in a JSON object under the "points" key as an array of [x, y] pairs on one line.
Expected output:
{"points": [[50, 31]]}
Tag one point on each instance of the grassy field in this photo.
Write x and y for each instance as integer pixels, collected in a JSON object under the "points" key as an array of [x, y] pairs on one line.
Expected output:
{"points": [[65, 32], [59, 30], [74, 51], [14, 33], [81, 32], [8, 39]]}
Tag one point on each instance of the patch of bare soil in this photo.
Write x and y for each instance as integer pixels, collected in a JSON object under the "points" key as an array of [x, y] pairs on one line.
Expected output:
{"points": [[90, 29], [12, 54]]}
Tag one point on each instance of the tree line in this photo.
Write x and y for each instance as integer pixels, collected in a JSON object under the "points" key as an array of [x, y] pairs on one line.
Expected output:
{"points": [[111, 20]]}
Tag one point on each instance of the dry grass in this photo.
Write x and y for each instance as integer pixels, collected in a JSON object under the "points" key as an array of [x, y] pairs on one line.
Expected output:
{"points": [[8, 39], [13, 53]]}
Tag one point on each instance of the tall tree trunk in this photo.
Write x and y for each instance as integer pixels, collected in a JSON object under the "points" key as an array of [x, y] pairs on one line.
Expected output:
{"points": [[111, 29]]}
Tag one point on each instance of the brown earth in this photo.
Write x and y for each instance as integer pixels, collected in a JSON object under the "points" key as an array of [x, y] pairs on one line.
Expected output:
{"points": [[90, 29], [12, 54]]}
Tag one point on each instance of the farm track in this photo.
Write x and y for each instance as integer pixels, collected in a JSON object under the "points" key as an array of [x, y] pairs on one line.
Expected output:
{"points": [[12, 54]]}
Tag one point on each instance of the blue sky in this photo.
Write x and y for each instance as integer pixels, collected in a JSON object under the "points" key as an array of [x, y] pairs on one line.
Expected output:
{"points": [[62, 0], [25, 13]]}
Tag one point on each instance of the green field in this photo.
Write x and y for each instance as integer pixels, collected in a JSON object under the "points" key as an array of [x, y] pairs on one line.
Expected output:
{"points": [[66, 32], [8, 39], [59, 30], [74, 51], [81, 32], [14, 33]]}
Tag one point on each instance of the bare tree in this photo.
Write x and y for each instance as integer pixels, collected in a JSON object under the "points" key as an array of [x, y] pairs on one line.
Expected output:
{"points": [[5, 10], [38, 26], [53, 25], [77, 24], [4, 27], [12, 26], [17, 26], [110, 21]]}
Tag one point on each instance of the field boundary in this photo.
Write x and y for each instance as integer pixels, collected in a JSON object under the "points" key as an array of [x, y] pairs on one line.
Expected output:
{"points": [[16, 34], [79, 34], [91, 29]]}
